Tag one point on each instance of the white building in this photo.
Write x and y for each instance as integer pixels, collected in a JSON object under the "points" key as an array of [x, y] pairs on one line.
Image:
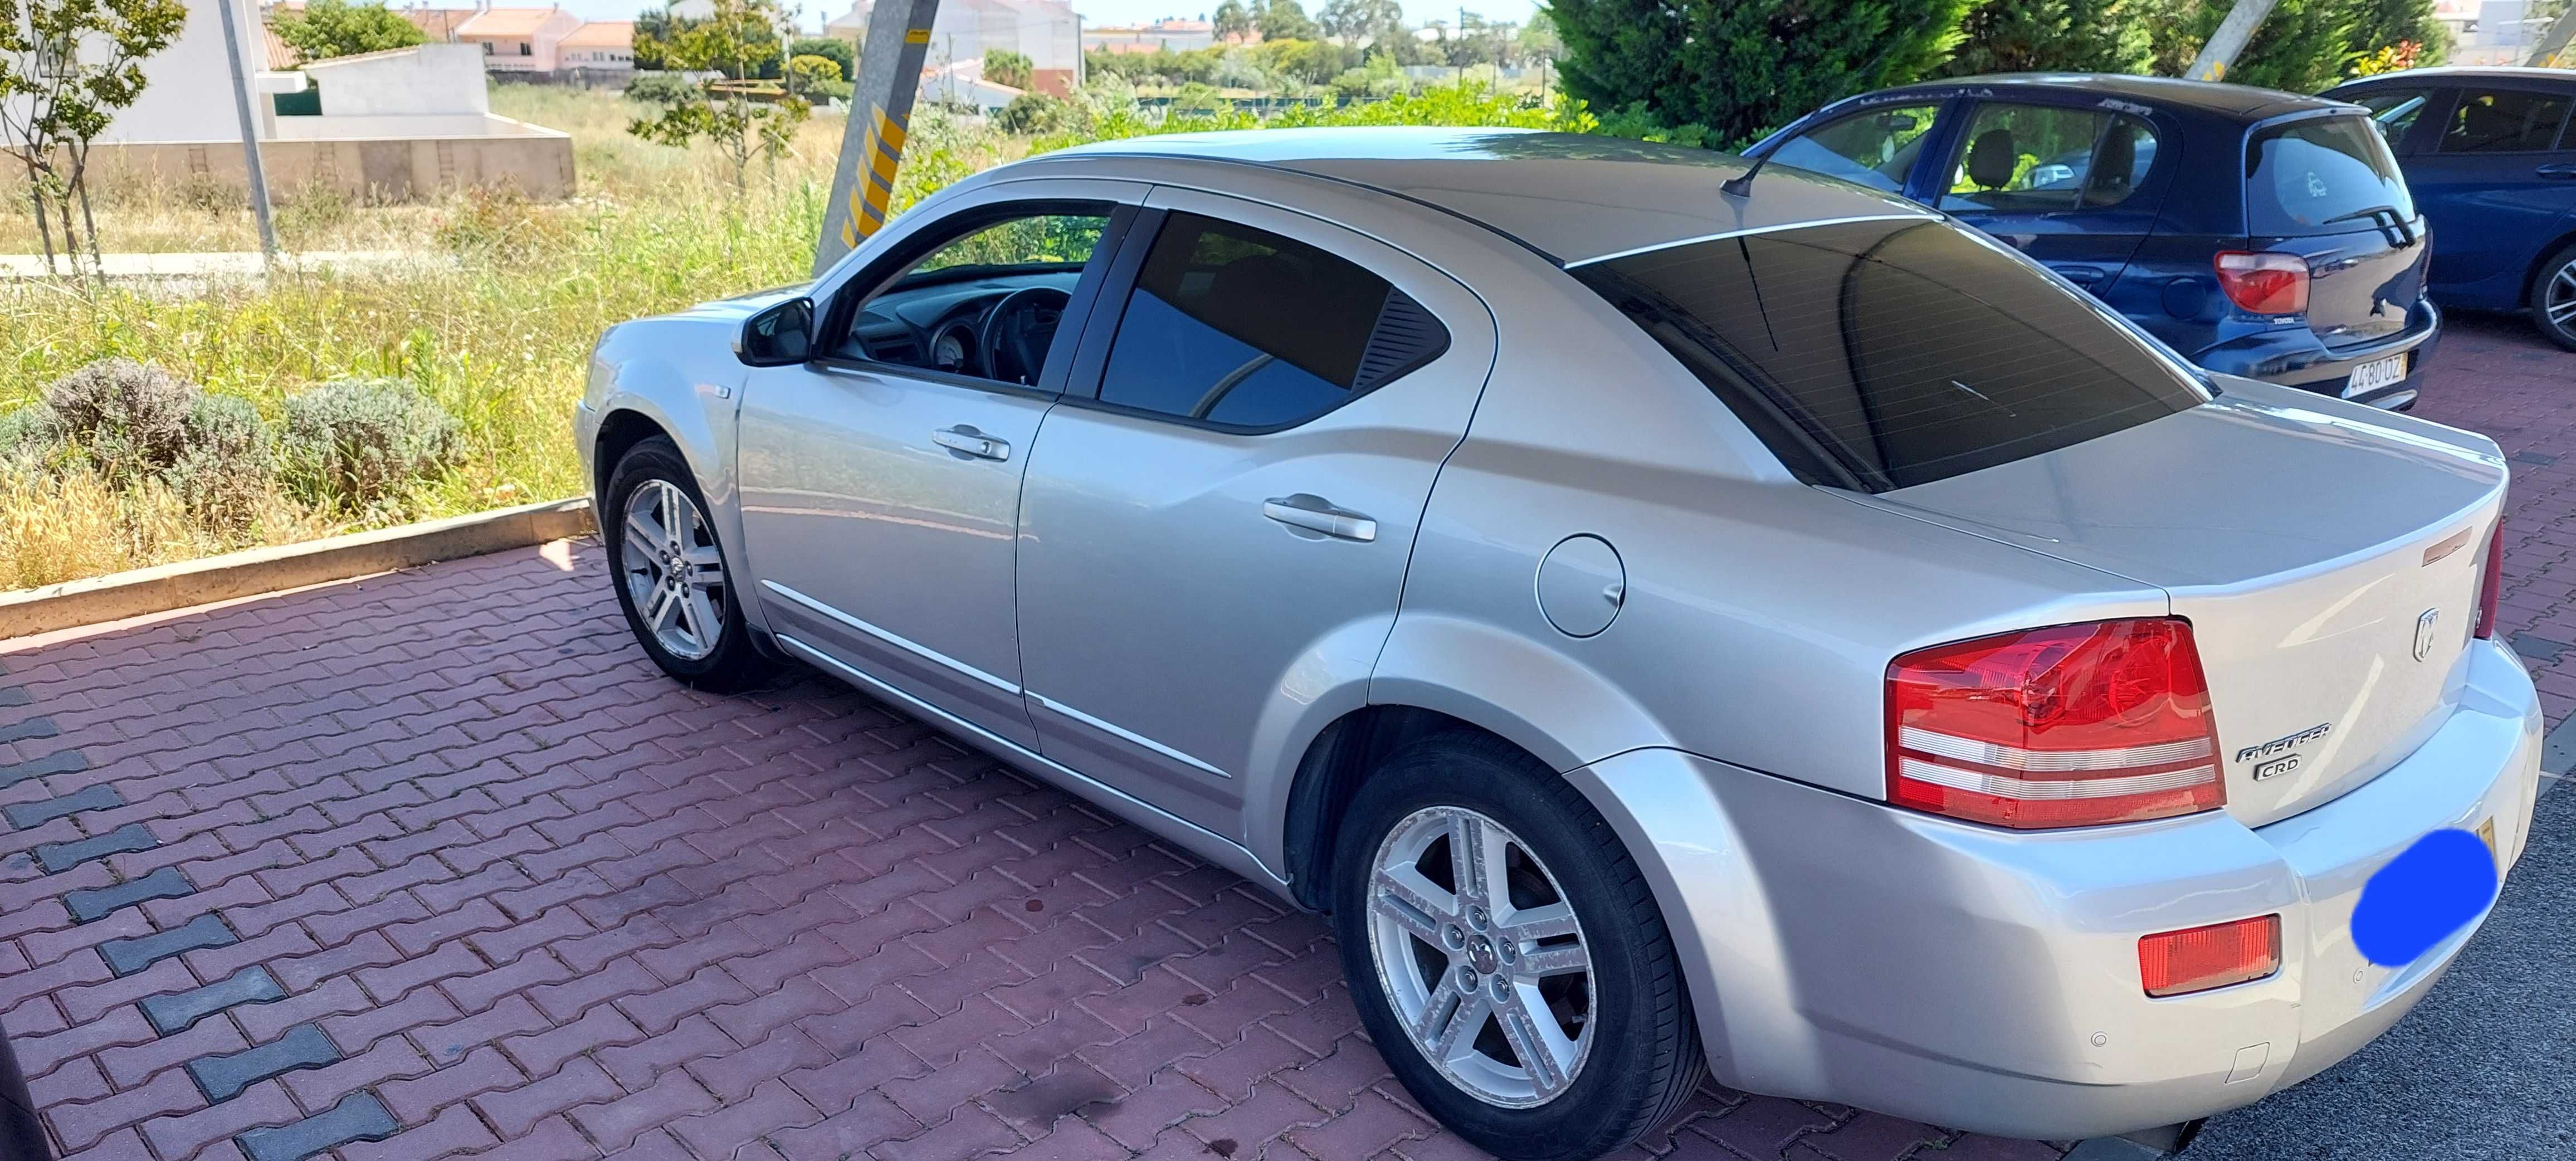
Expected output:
{"points": [[187, 91], [1045, 31], [421, 81], [1168, 33]]}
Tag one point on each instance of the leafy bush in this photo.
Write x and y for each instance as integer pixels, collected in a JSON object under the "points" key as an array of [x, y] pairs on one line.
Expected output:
{"points": [[230, 464], [29, 432], [365, 443], [805, 72], [661, 89], [1034, 113], [131, 417], [832, 48]]}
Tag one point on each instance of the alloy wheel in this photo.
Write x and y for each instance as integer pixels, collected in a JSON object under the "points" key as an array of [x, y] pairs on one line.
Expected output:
{"points": [[673, 570], [2558, 298], [1482, 956]]}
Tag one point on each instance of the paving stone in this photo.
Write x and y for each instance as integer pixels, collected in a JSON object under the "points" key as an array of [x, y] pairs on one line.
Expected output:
{"points": [[133, 836], [173, 1013], [59, 762], [11, 695], [2540, 649], [31, 728], [30, 815], [128, 956], [358, 1117], [223, 1077], [92, 902]]}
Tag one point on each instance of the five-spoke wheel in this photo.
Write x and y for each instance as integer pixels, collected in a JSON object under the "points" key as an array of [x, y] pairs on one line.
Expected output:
{"points": [[2553, 298], [671, 576]]}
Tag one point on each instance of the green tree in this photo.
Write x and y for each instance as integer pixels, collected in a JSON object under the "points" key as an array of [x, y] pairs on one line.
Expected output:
{"points": [[809, 76], [2380, 24], [1362, 21], [1285, 20], [735, 39], [2015, 36], [1003, 66], [1743, 67], [333, 28], [657, 30], [1232, 19], [2303, 46], [1538, 38], [66, 68], [832, 48]]}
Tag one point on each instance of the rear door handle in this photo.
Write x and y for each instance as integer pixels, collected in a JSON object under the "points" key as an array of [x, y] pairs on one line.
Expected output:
{"points": [[1317, 514], [968, 441], [2080, 275], [2563, 171]]}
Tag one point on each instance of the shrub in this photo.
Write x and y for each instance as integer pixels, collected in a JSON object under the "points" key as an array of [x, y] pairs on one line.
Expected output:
{"points": [[363, 443], [230, 464], [1035, 113], [661, 89], [499, 221], [131, 417], [29, 433]]}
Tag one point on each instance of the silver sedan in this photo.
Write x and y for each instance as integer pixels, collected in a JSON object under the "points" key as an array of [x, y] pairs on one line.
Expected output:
{"points": [[1662, 620]]}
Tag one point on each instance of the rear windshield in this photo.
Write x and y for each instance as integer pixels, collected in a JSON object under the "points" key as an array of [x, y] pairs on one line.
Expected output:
{"points": [[1878, 355], [2322, 175]]}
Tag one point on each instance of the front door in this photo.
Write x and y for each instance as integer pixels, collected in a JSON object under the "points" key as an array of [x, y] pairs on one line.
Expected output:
{"points": [[881, 482], [1220, 531], [2075, 188], [2499, 177]]}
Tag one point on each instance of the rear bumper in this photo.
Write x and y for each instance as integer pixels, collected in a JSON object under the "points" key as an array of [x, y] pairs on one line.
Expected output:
{"points": [[1841, 950], [2293, 357]]}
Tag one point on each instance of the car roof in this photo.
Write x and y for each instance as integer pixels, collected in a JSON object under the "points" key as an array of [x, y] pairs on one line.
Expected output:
{"points": [[1572, 197], [2465, 72], [2239, 102]]}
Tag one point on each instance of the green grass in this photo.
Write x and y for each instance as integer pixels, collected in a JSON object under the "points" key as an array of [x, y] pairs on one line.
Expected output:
{"points": [[495, 323]]}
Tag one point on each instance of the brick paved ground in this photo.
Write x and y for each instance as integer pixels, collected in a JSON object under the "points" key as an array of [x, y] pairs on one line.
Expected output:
{"points": [[438, 859]]}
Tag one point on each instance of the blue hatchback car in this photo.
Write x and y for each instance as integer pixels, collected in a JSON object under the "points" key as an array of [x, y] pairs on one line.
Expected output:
{"points": [[2259, 233], [2491, 156]]}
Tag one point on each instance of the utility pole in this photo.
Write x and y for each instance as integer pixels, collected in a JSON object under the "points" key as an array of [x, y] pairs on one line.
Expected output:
{"points": [[2554, 40], [2229, 40], [250, 135], [880, 115]]}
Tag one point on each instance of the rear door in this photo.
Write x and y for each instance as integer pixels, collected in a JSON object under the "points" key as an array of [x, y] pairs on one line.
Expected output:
{"points": [[1216, 520], [2326, 188], [2496, 180], [2074, 186], [1881, 147]]}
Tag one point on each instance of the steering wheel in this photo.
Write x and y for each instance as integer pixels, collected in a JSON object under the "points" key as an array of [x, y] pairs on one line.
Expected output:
{"points": [[1018, 330]]}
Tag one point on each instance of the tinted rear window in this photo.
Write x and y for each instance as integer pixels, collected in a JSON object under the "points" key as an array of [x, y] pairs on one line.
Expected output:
{"points": [[2321, 175], [1879, 355]]}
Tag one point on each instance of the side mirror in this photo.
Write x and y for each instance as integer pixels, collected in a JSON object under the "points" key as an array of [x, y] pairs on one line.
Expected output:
{"points": [[779, 336]]}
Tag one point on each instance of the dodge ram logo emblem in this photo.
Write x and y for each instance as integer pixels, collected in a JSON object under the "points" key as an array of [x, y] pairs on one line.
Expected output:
{"points": [[2424, 633]]}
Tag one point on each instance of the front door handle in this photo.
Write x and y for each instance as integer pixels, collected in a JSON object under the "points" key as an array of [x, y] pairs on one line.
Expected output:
{"points": [[968, 441], [2563, 171], [1317, 514], [2084, 276]]}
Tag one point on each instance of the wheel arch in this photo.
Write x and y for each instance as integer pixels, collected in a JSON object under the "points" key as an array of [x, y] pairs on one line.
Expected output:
{"points": [[620, 430], [2540, 259]]}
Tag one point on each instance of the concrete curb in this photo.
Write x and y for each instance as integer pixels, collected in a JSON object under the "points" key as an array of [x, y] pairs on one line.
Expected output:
{"points": [[261, 570]]}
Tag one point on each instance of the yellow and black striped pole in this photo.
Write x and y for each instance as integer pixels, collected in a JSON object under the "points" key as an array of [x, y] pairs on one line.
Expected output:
{"points": [[880, 112]]}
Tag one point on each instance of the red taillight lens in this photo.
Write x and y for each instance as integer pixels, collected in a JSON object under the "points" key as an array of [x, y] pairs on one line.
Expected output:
{"points": [[2264, 283], [2491, 582], [2175, 962], [2074, 725]]}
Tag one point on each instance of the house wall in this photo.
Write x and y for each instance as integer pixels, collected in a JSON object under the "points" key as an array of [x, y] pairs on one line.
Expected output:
{"points": [[187, 90], [538, 162], [432, 78]]}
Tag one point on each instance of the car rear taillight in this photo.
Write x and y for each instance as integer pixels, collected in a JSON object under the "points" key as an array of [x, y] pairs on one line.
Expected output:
{"points": [[2491, 581], [2264, 283], [2073, 725], [2173, 963]]}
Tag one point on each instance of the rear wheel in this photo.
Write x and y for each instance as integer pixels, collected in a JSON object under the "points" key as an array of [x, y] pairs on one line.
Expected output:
{"points": [[2553, 298], [1507, 955], [670, 572]]}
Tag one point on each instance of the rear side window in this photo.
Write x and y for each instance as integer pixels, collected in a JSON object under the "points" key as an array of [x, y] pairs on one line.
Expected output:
{"points": [[2504, 121], [1879, 355], [2045, 159], [2394, 111], [1240, 327], [2321, 175], [1875, 149]]}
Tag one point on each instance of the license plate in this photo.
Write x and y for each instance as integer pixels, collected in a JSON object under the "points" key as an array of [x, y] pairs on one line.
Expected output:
{"points": [[2376, 374]]}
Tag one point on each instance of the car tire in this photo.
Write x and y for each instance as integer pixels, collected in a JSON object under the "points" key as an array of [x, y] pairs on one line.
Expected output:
{"points": [[690, 619], [1635, 1052], [2553, 290]]}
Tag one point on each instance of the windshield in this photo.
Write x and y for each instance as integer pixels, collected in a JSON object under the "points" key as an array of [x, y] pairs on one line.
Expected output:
{"points": [[2322, 175], [1882, 354]]}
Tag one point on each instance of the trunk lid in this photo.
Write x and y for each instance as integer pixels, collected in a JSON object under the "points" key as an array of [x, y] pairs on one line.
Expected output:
{"points": [[2326, 189], [2310, 551]]}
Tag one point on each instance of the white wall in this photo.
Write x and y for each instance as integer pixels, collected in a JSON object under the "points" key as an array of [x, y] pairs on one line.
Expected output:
{"points": [[429, 78], [187, 90], [422, 127]]}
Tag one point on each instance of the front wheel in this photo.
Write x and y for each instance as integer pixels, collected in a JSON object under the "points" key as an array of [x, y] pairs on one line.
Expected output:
{"points": [[2553, 298], [669, 571], [1507, 955]]}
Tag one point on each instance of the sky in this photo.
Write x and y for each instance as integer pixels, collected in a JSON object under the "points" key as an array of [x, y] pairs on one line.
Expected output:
{"points": [[1093, 11]]}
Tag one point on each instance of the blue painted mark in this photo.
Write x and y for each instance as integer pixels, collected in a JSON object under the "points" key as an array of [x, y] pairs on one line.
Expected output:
{"points": [[2441, 883]]}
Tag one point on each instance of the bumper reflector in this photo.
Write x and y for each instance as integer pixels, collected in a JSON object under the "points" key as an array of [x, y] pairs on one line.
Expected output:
{"points": [[2174, 963]]}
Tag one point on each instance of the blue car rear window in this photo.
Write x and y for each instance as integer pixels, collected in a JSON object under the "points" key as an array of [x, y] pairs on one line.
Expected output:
{"points": [[2321, 175], [1881, 354]]}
